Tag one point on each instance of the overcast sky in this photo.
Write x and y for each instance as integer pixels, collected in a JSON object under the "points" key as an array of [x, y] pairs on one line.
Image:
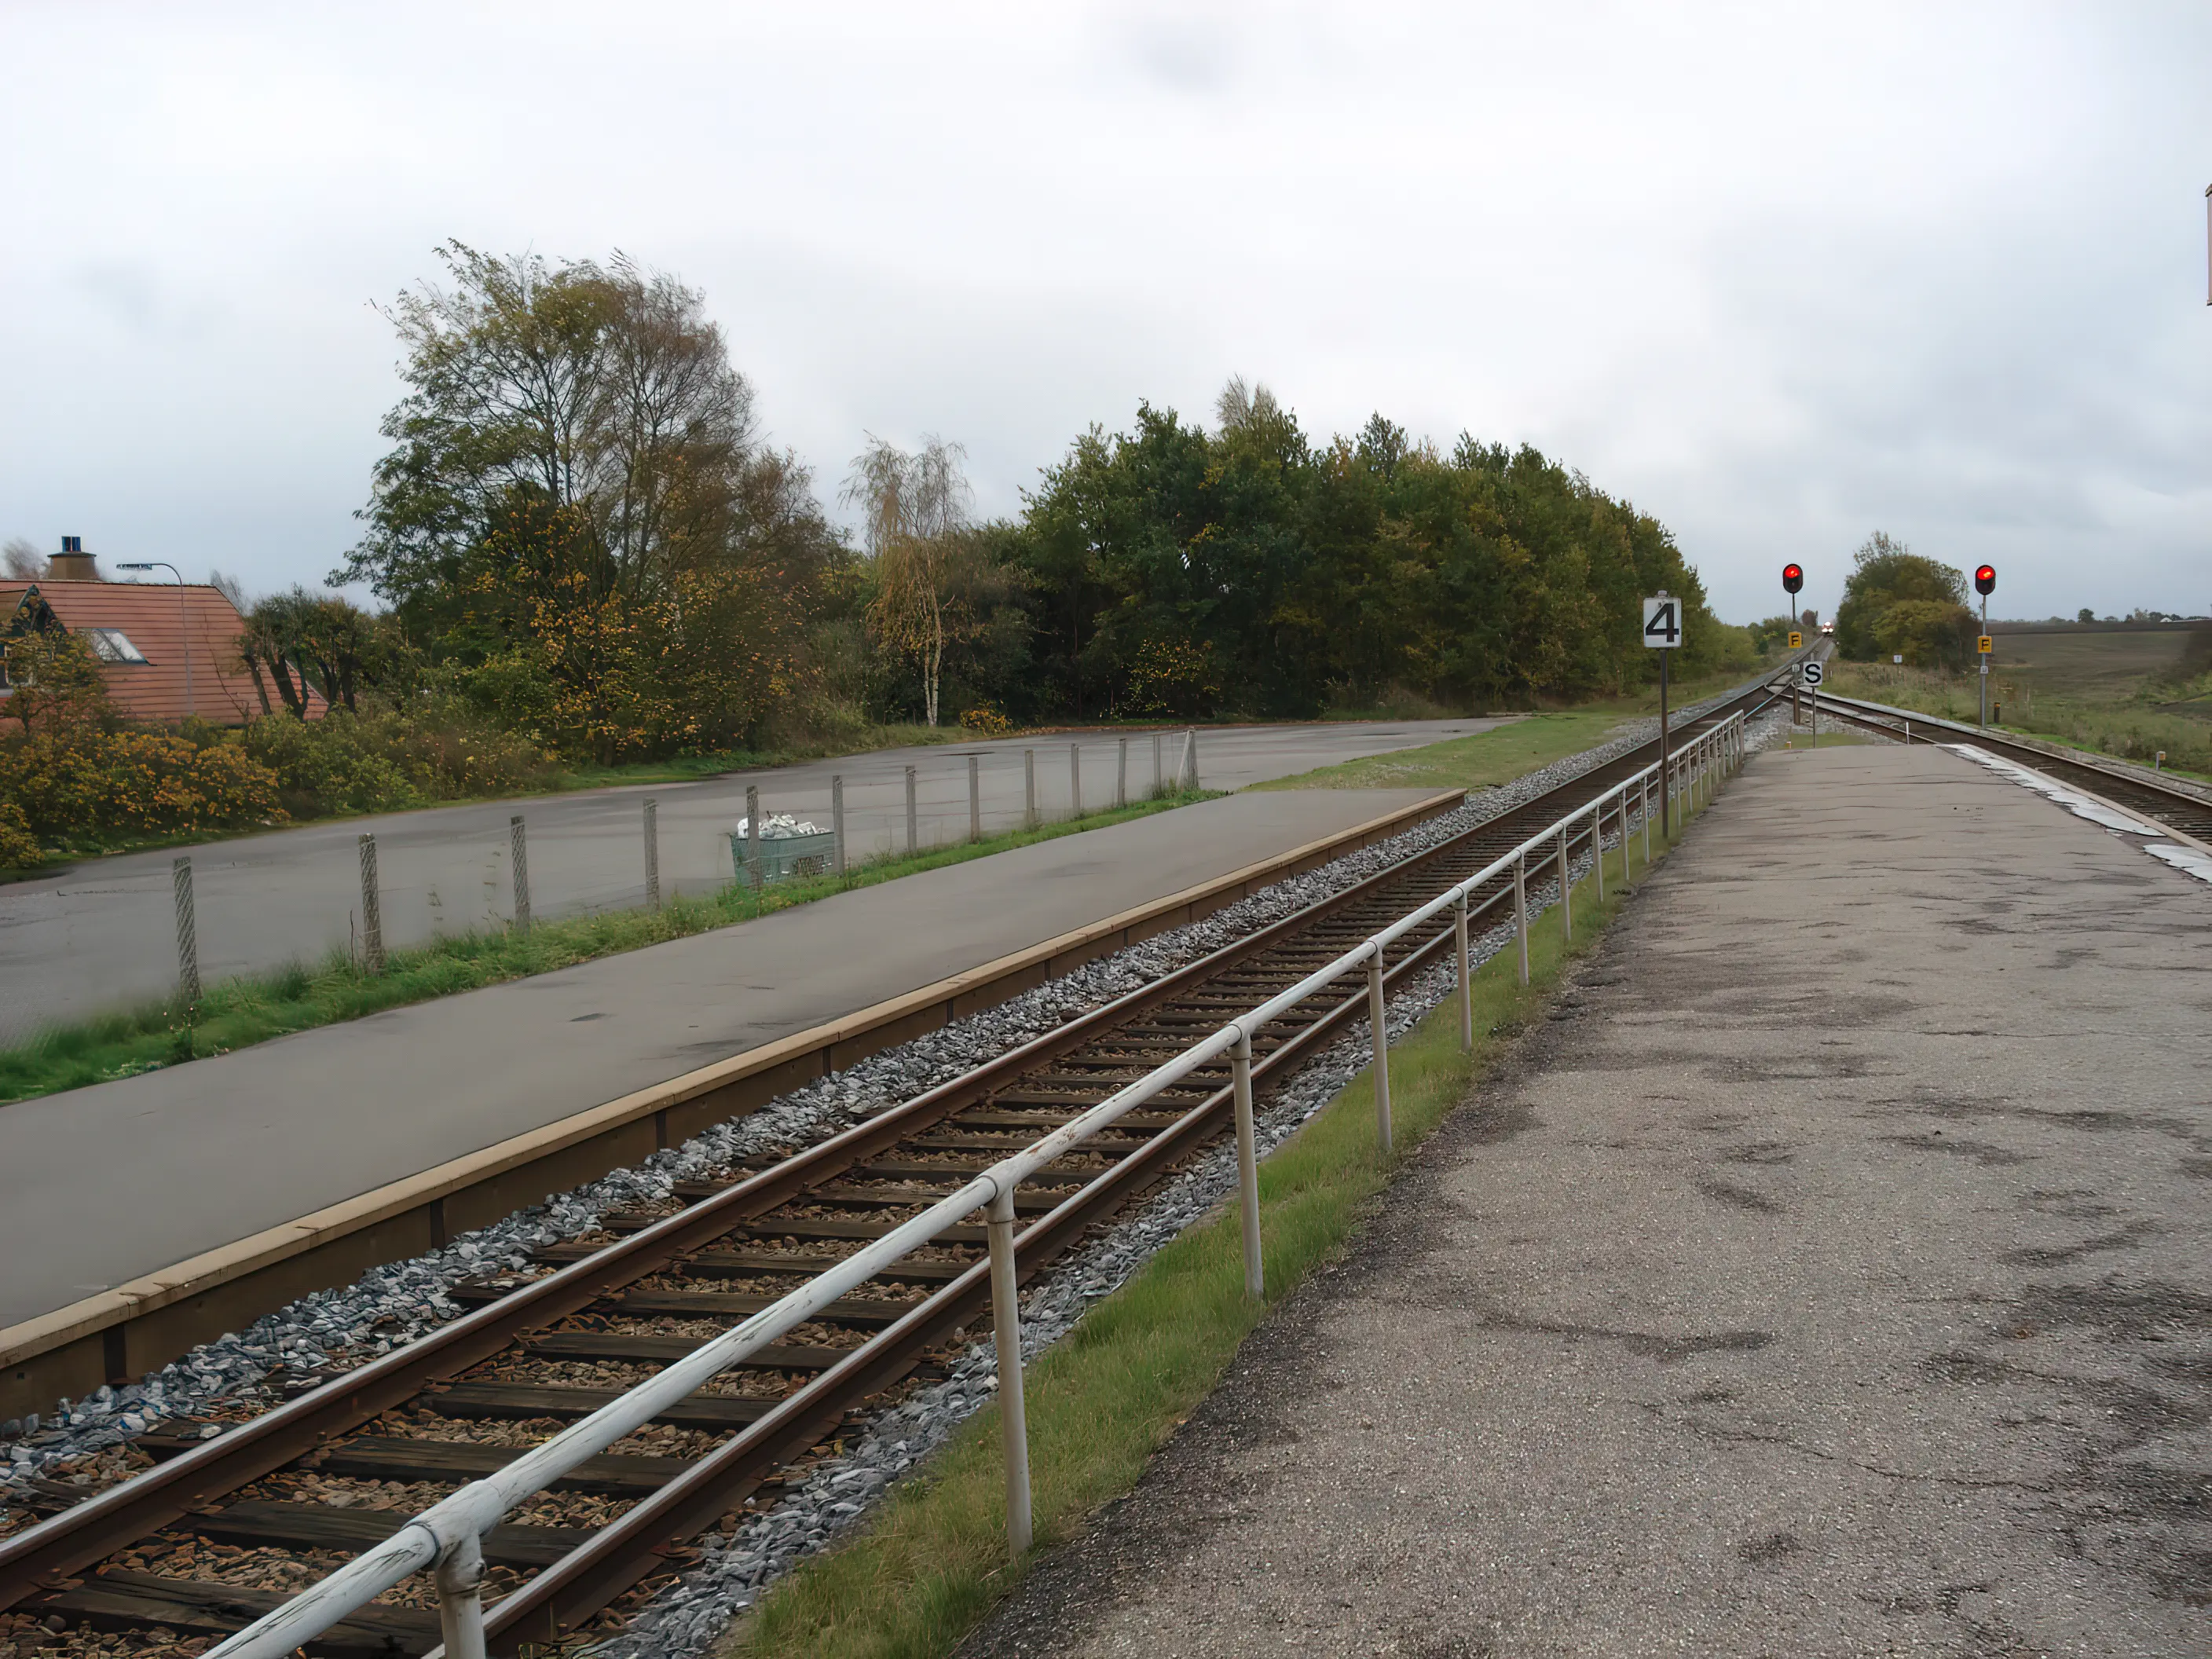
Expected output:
{"points": [[1781, 274]]}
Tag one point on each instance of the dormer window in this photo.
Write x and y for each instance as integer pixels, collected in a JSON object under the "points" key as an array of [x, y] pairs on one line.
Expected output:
{"points": [[113, 645]]}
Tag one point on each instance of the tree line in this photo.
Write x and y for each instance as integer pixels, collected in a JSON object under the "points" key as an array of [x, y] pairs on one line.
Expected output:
{"points": [[580, 531], [583, 549]]}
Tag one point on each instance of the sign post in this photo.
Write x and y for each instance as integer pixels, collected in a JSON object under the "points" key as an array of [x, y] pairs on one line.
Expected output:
{"points": [[1663, 631], [1811, 673]]}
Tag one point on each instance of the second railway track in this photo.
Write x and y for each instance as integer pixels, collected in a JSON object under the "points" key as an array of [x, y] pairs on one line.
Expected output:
{"points": [[236, 1518]]}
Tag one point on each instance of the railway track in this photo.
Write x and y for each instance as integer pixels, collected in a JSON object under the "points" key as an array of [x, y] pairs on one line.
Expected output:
{"points": [[2178, 808], [235, 1517]]}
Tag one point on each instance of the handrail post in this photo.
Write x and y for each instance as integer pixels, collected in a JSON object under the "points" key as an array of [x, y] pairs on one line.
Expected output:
{"points": [[1381, 1034], [1248, 1167], [1626, 876], [1006, 1319], [460, 1578], [1465, 981], [1643, 811], [1597, 846], [1521, 911], [1566, 892]]}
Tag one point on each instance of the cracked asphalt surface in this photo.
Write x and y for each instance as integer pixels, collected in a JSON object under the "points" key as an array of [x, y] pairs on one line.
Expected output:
{"points": [[1827, 1274]]}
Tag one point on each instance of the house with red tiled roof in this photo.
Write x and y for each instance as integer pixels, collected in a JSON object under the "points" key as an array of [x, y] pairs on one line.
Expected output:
{"points": [[165, 651]]}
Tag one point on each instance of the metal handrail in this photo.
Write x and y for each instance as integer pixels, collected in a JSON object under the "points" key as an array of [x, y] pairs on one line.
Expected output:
{"points": [[447, 1536]]}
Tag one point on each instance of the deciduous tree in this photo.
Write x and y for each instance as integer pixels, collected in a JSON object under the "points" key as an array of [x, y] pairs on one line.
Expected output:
{"points": [[915, 507]]}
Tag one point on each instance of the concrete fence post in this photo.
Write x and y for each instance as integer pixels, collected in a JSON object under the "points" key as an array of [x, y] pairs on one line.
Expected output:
{"points": [[652, 852], [913, 818], [519, 844], [753, 872], [1122, 773], [1190, 759], [1075, 777], [1159, 778], [1248, 1167], [1028, 789], [1381, 1031], [372, 912], [837, 823], [1006, 1323], [1466, 978], [188, 936], [1521, 911], [974, 799]]}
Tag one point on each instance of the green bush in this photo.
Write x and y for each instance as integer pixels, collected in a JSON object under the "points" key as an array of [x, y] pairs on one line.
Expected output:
{"points": [[81, 785], [339, 763], [383, 761], [19, 847]]}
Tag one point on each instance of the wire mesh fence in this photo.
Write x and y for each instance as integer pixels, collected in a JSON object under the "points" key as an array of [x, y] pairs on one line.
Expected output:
{"points": [[71, 949]]}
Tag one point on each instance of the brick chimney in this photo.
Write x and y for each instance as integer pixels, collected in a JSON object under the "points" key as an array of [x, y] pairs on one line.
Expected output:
{"points": [[73, 563]]}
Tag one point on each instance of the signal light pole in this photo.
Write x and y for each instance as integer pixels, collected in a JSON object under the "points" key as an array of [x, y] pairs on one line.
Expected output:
{"points": [[1985, 581], [1793, 579]]}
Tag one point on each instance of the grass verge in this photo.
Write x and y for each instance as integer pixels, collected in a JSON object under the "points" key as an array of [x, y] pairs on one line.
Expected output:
{"points": [[1476, 762], [933, 1561], [235, 1014]]}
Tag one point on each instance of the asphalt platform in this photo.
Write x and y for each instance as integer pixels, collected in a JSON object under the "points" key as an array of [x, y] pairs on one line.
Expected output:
{"points": [[100, 1186], [1831, 1273]]}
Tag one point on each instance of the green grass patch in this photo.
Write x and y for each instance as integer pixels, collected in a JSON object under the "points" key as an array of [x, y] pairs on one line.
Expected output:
{"points": [[1488, 757], [933, 1561], [236, 1013]]}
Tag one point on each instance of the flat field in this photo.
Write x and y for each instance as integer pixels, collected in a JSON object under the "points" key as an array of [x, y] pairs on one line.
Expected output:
{"points": [[2130, 693]]}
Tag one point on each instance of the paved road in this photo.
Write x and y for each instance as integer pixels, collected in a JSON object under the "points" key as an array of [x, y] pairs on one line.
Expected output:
{"points": [[82, 941], [1830, 1275], [177, 1162]]}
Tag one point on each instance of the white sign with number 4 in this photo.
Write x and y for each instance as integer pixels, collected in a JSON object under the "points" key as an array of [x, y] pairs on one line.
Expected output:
{"points": [[1662, 621]]}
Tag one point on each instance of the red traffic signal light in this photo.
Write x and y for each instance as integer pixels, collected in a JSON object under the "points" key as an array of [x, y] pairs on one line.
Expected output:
{"points": [[1985, 580], [1793, 578]]}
